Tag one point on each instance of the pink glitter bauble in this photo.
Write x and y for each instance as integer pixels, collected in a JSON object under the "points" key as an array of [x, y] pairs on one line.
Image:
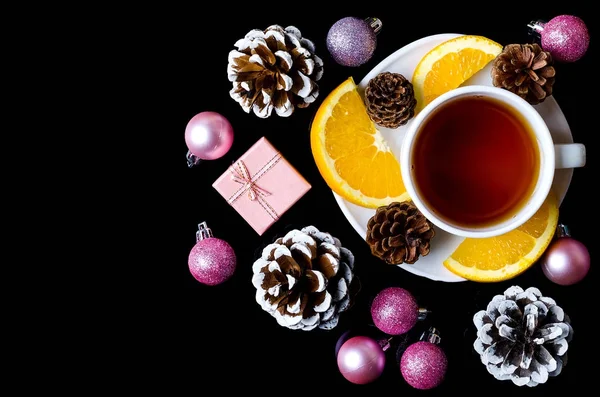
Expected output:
{"points": [[361, 360], [212, 261], [208, 135], [394, 311], [423, 365], [566, 37]]}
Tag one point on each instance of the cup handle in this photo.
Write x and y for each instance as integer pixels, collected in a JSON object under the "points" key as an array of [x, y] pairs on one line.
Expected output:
{"points": [[569, 155]]}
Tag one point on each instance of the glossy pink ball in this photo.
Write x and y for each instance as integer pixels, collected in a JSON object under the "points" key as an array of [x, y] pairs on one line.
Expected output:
{"points": [[212, 261], [394, 311], [566, 261], [423, 365], [566, 37], [361, 360], [208, 135]]}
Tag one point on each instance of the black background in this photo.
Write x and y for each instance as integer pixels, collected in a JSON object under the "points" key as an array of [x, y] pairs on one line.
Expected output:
{"points": [[226, 340]]}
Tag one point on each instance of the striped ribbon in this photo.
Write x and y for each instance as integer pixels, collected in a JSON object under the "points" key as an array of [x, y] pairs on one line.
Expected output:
{"points": [[241, 175]]}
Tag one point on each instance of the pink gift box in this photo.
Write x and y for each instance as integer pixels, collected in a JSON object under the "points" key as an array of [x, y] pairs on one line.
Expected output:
{"points": [[262, 185]]}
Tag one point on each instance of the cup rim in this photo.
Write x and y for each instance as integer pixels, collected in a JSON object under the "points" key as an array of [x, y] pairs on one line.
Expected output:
{"points": [[546, 173]]}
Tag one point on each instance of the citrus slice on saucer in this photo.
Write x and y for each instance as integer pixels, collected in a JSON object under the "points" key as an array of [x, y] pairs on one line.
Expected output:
{"points": [[449, 64], [351, 154], [506, 256]]}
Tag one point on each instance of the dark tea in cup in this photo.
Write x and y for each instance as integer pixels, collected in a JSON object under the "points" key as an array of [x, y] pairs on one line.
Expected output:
{"points": [[475, 161]]}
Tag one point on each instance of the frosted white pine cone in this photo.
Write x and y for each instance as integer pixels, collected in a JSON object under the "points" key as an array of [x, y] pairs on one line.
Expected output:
{"points": [[305, 279], [274, 69], [523, 336]]}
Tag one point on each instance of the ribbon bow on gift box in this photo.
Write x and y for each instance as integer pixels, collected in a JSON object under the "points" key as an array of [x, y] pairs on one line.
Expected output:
{"points": [[241, 175]]}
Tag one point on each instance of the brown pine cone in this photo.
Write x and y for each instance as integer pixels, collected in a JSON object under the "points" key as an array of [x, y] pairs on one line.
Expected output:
{"points": [[390, 100], [526, 70], [276, 69], [399, 233]]}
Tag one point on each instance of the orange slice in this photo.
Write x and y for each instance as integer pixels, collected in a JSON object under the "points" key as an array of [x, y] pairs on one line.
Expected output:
{"points": [[503, 257], [351, 154], [449, 64]]}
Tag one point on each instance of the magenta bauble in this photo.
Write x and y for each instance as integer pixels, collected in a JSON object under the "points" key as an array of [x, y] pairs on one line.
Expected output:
{"points": [[566, 261], [566, 37], [212, 260], [208, 135], [394, 311], [361, 360], [423, 365]]}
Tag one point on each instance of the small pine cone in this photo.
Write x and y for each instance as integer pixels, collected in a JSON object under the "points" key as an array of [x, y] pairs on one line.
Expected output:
{"points": [[399, 233], [305, 279], [276, 69], [390, 100], [526, 70], [523, 336]]}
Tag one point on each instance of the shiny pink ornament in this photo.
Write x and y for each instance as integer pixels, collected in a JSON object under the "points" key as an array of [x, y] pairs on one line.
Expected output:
{"points": [[566, 37], [394, 311], [361, 360], [423, 365], [208, 136], [566, 261], [212, 260]]}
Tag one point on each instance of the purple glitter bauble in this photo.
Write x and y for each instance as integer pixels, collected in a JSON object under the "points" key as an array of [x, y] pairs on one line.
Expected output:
{"points": [[394, 311], [423, 365], [566, 37], [212, 261], [351, 41], [361, 360]]}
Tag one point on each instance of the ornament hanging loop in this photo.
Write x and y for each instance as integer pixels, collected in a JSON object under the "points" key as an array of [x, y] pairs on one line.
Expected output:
{"points": [[375, 24], [562, 231], [423, 313], [536, 27], [192, 160], [432, 335], [203, 232]]}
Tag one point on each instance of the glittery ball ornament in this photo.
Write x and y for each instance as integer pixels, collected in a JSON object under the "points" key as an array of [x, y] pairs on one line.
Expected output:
{"points": [[423, 365], [361, 360], [566, 37], [352, 41], [394, 311], [212, 260]]}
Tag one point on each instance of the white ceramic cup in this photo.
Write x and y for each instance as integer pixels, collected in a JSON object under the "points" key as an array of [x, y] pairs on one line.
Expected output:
{"points": [[552, 156]]}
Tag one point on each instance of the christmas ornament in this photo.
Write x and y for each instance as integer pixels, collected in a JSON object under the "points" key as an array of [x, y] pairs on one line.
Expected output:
{"points": [[274, 69], [566, 37], [390, 100], [423, 364], [523, 336], [351, 41], [395, 311], [212, 260], [525, 70], [305, 279], [566, 261], [399, 233], [361, 360], [208, 136]]}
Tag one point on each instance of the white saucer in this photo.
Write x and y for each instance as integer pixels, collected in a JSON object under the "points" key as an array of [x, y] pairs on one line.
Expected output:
{"points": [[404, 61]]}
